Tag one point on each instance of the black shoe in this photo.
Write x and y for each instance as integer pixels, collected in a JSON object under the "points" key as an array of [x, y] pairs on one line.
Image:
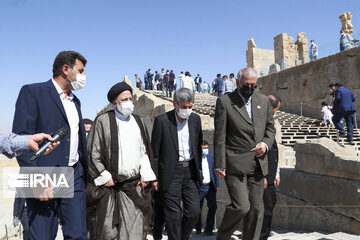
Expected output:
{"points": [[351, 142], [342, 134], [198, 231]]}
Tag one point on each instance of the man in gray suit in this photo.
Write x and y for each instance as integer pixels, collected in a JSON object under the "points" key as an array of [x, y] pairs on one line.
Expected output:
{"points": [[244, 131]]}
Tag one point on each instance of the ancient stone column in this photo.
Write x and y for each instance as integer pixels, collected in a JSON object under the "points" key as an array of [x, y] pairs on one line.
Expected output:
{"points": [[302, 47], [345, 19], [286, 54]]}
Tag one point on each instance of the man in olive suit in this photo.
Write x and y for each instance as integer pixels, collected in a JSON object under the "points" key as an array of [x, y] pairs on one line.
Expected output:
{"points": [[244, 132]]}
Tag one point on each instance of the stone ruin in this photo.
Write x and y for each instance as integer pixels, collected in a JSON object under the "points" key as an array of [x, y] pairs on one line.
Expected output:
{"points": [[286, 54], [345, 19]]}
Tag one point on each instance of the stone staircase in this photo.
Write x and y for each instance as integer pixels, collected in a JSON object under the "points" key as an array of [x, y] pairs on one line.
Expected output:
{"points": [[204, 103], [293, 127]]}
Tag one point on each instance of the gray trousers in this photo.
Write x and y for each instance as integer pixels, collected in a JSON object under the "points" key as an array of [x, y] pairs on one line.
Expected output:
{"points": [[246, 194]]}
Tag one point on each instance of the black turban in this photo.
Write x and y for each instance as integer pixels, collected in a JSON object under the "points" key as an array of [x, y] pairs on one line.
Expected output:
{"points": [[117, 89]]}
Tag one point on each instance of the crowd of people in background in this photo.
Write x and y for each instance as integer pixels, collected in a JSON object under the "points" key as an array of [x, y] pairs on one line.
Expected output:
{"points": [[165, 81]]}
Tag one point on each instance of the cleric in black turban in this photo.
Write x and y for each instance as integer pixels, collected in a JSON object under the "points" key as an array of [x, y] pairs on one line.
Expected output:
{"points": [[117, 89]]}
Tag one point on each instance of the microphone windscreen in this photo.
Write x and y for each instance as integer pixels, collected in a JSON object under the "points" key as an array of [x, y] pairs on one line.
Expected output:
{"points": [[62, 132]]}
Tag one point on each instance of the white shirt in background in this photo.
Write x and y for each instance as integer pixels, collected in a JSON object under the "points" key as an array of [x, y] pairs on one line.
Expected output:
{"points": [[187, 82], [205, 170]]}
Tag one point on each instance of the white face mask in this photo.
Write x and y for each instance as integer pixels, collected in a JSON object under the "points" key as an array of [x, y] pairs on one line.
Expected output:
{"points": [[125, 108], [205, 151], [184, 113], [80, 81], [331, 90]]}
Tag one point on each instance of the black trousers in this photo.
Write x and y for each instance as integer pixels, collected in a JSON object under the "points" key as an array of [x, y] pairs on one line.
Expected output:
{"points": [[158, 216], [269, 204], [181, 220], [209, 193]]}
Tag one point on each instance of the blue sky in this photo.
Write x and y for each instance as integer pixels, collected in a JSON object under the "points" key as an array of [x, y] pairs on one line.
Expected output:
{"points": [[124, 37]]}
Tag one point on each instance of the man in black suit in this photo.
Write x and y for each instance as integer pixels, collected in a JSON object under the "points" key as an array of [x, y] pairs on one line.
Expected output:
{"points": [[272, 180], [208, 190], [166, 83], [171, 82], [176, 143]]}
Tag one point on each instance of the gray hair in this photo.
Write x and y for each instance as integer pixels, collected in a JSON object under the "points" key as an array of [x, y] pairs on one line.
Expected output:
{"points": [[247, 72], [183, 95]]}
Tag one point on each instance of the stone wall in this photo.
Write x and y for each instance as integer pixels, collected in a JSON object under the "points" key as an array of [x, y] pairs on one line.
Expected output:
{"points": [[308, 83], [259, 59], [285, 55]]}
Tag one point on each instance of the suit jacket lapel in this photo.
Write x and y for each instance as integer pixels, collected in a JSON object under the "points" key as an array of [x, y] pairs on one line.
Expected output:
{"points": [[55, 95], [191, 133], [173, 129], [239, 106], [256, 110]]}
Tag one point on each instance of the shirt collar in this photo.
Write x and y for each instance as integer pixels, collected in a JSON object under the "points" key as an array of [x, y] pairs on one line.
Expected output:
{"points": [[120, 117], [249, 100], [177, 120], [60, 91]]}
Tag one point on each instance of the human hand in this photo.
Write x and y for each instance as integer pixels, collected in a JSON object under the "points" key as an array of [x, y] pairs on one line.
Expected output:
{"points": [[16, 221], [259, 149], [47, 194], [277, 182], [155, 186], [110, 183], [265, 183], [217, 189], [220, 173], [35, 139], [143, 184]]}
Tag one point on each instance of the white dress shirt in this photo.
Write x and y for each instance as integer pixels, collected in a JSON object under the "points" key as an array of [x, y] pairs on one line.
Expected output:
{"points": [[187, 82], [205, 170], [185, 152], [132, 152], [73, 119]]}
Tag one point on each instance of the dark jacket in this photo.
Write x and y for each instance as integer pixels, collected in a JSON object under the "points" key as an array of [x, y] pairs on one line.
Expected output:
{"points": [[213, 177], [39, 109], [273, 156], [219, 82], [165, 146], [172, 77], [343, 101], [19, 206], [157, 77], [236, 134]]}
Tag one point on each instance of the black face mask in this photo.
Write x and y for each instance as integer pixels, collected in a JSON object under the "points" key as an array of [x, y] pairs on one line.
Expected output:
{"points": [[246, 91]]}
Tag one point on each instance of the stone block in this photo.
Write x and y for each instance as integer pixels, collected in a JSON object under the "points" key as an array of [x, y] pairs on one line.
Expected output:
{"points": [[297, 215], [339, 196], [326, 157]]}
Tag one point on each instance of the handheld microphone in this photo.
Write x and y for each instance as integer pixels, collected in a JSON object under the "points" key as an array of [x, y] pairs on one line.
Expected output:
{"points": [[43, 145]]}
